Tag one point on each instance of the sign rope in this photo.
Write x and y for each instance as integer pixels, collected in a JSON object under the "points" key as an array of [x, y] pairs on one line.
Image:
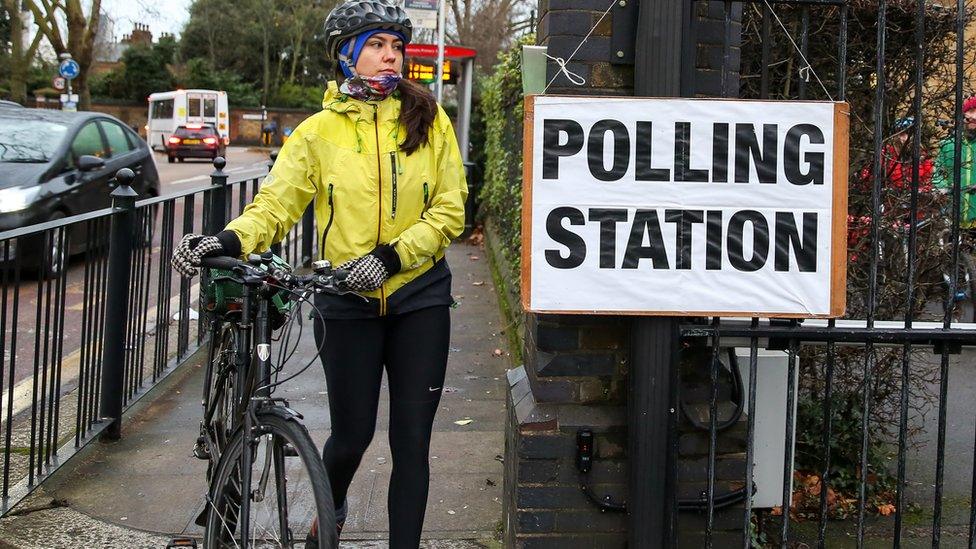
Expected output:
{"points": [[572, 76]]}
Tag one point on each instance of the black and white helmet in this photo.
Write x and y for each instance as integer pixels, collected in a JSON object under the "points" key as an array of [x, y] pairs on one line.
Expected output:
{"points": [[356, 16]]}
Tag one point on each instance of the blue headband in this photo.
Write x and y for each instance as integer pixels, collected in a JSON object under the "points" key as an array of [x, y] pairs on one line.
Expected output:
{"points": [[346, 61]]}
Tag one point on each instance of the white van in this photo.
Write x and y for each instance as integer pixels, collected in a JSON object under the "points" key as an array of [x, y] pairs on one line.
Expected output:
{"points": [[167, 110]]}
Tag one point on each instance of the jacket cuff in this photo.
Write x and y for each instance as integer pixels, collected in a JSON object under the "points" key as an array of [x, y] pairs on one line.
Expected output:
{"points": [[230, 242], [388, 256]]}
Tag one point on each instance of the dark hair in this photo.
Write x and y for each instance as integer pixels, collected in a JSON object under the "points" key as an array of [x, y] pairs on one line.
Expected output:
{"points": [[417, 113]]}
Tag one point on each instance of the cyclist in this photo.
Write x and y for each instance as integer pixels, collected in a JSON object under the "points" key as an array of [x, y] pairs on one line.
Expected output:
{"points": [[946, 158], [382, 165]]}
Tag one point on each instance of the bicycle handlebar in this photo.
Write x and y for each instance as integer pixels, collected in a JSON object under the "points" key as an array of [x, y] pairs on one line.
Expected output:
{"points": [[331, 282]]}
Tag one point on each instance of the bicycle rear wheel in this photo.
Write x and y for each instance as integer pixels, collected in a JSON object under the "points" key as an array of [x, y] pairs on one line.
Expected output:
{"points": [[286, 486], [221, 399]]}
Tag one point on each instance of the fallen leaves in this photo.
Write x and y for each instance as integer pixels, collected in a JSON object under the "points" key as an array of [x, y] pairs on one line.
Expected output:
{"points": [[463, 422]]}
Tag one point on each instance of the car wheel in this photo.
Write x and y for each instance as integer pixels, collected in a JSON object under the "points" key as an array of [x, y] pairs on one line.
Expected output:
{"points": [[54, 261], [170, 159]]}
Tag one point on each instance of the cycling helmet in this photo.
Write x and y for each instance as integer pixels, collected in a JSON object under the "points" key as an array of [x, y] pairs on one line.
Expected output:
{"points": [[356, 16], [904, 124]]}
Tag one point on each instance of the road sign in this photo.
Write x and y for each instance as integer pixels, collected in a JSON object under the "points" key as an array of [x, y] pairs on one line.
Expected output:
{"points": [[58, 82], [69, 69], [72, 98], [422, 13]]}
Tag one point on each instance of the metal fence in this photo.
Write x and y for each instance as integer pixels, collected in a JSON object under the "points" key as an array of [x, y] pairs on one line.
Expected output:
{"points": [[81, 346], [921, 323]]}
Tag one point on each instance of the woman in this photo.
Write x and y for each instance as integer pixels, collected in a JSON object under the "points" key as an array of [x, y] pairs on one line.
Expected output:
{"points": [[382, 165]]}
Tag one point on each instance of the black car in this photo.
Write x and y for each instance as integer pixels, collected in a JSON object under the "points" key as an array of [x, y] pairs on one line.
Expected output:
{"points": [[195, 141], [55, 164]]}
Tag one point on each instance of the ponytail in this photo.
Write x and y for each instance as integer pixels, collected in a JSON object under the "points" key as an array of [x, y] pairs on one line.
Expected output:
{"points": [[417, 113]]}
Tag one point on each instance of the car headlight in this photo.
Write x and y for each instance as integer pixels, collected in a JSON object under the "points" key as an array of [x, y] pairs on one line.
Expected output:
{"points": [[15, 199]]}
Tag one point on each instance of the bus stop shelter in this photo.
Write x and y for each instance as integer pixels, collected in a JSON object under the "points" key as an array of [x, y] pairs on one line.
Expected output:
{"points": [[463, 57]]}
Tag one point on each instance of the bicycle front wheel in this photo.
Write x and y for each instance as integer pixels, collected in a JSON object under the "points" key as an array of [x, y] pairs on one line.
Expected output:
{"points": [[284, 486]]}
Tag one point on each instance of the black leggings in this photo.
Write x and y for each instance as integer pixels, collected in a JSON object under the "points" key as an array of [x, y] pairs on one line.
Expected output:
{"points": [[413, 347]]}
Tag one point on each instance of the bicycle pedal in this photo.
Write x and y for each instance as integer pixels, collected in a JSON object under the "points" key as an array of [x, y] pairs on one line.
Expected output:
{"points": [[182, 542], [290, 450]]}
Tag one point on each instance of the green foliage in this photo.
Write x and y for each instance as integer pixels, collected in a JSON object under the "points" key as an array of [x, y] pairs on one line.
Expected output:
{"points": [[501, 194], [846, 422], [199, 73], [145, 71], [298, 96]]}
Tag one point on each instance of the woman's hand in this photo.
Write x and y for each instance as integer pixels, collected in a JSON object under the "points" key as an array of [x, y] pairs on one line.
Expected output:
{"points": [[194, 247], [370, 271]]}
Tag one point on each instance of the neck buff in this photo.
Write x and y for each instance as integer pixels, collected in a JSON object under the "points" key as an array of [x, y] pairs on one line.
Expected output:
{"points": [[370, 88]]}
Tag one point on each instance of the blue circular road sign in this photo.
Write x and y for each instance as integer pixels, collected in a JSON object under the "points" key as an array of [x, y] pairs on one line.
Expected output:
{"points": [[69, 69]]}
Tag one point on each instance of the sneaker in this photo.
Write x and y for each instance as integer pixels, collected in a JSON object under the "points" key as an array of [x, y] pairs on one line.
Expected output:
{"points": [[312, 539]]}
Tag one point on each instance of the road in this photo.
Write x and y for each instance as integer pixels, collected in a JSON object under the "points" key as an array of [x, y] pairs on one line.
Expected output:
{"points": [[241, 163], [195, 172]]}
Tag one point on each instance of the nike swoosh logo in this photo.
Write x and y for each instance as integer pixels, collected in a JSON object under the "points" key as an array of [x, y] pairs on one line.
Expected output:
{"points": [[432, 389]]}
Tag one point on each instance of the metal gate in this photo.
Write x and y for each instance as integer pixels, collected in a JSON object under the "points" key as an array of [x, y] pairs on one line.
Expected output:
{"points": [[902, 66]]}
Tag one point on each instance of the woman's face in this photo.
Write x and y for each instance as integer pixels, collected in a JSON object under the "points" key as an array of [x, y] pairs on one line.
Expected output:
{"points": [[381, 54]]}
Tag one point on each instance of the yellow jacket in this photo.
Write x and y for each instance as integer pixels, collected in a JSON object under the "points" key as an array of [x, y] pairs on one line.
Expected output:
{"points": [[366, 190]]}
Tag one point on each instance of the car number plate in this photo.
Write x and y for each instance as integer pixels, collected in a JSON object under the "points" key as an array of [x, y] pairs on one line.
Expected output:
{"points": [[191, 141]]}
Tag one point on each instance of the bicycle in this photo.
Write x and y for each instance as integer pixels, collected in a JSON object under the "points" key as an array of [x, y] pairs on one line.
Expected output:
{"points": [[247, 434]]}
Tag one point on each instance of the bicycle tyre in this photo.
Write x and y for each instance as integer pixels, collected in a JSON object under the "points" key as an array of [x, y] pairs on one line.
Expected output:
{"points": [[223, 391], [224, 493]]}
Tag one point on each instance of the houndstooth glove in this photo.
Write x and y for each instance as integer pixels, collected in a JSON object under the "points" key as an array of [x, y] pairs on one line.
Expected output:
{"points": [[193, 248], [368, 272]]}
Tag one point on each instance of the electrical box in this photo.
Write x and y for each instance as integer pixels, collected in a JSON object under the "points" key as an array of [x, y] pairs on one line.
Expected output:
{"points": [[769, 448]]}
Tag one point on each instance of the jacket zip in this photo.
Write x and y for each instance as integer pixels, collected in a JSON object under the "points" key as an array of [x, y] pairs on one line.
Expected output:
{"points": [[325, 234], [393, 171], [379, 216], [426, 197]]}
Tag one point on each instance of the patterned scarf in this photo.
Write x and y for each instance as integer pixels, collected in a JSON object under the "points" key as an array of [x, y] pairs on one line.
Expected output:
{"points": [[370, 88]]}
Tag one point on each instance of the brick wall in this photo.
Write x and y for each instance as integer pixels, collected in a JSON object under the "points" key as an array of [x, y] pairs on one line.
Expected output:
{"points": [[575, 367]]}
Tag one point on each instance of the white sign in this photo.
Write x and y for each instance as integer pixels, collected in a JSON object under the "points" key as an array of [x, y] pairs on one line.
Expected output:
{"points": [[251, 116], [422, 18], [58, 82], [65, 98], [422, 13], [684, 207]]}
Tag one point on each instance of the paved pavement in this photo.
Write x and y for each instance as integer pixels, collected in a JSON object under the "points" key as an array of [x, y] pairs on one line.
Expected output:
{"points": [[139, 491]]}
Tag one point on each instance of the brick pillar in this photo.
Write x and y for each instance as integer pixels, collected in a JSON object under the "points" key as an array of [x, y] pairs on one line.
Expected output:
{"points": [[575, 367]]}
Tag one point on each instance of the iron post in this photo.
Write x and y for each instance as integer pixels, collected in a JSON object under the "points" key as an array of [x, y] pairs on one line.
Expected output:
{"points": [[652, 399], [117, 302]]}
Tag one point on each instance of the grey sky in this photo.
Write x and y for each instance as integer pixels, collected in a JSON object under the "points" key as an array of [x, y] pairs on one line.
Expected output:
{"points": [[160, 17]]}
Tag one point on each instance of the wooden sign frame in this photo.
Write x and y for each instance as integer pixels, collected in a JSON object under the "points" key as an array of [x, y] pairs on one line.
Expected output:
{"points": [[838, 260]]}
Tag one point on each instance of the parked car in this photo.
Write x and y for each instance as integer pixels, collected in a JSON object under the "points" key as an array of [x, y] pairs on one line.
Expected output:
{"points": [[195, 141], [55, 164], [10, 104]]}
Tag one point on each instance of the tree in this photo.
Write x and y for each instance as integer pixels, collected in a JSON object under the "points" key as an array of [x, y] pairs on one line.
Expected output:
{"points": [[144, 72], [68, 29], [485, 25], [19, 56], [273, 43]]}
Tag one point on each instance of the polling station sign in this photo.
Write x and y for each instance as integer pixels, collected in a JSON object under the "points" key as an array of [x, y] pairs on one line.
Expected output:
{"points": [[684, 207]]}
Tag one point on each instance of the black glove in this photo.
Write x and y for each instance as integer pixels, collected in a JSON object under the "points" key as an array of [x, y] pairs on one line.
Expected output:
{"points": [[194, 247], [368, 272]]}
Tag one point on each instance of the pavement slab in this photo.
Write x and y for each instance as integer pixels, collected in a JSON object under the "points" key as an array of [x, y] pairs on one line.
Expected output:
{"points": [[141, 490]]}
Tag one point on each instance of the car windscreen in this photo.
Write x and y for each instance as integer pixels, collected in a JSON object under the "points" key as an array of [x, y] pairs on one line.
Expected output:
{"points": [[29, 140], [195, 133]]}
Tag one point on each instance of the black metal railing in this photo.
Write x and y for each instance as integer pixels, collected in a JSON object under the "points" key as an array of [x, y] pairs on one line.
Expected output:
{"points": [[903, 304], [92, 317]]}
